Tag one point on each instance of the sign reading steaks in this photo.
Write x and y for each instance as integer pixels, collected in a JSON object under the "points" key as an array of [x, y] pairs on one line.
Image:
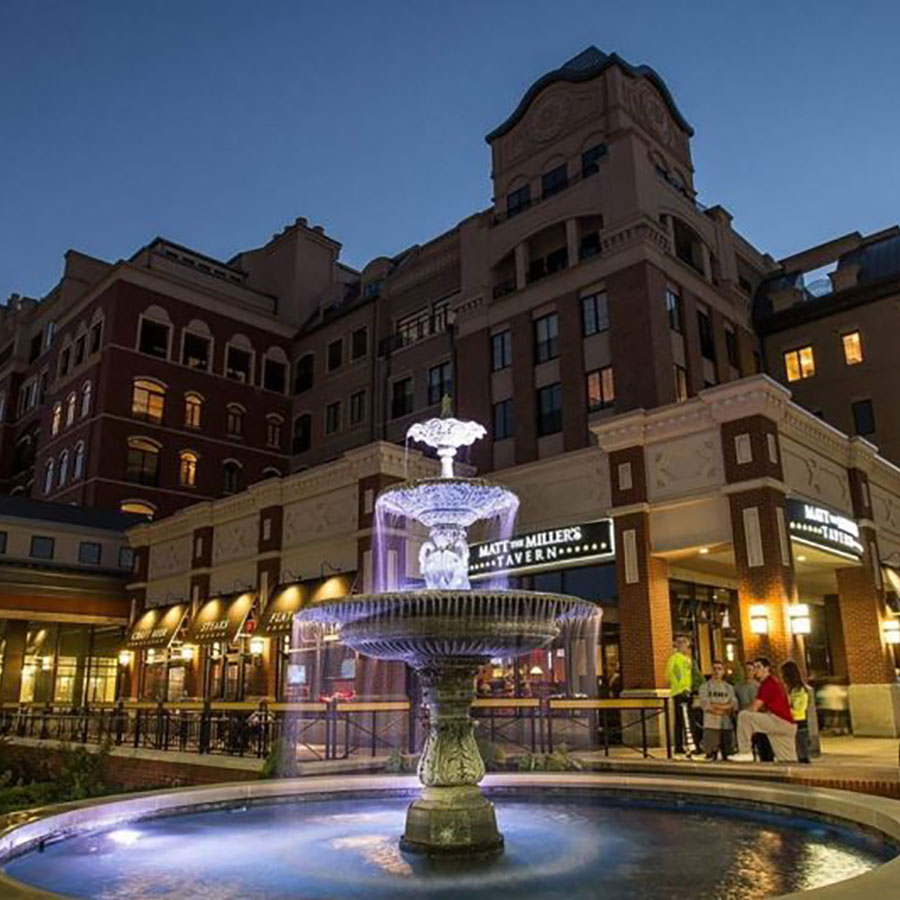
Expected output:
{"points": [[550, 548]]}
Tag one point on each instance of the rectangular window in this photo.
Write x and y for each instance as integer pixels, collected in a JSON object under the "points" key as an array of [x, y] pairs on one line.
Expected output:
{"points": [[142, 466], [42, 547], [335, 354], [359, 343], [126, 558], [402, 398], [89, 553], [800, 363], [681, 386], [504, 422], [302, 434], [601, 392], [863, 417], [357, 407], [557, 260], [414, 327], [273, 432], [546, 338], [673, 308], [590, 160], [96, 336], [440, 317], [594, 313], [239, 365], [2, 542], [303, 374], [554, 181], [196, 351], [704, 325], [234, 421], [333, 417], [153, 338], [274, 375], [731, 347], [148, 402], [80, 349], [440, 382], [518, 200], [589, 245], [37, 344], [65, 359], [549, 409], [853, 353], [501, 350]]}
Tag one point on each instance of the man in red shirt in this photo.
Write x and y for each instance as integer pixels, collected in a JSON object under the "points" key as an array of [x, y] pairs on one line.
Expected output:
{"points": [[769, 714]]}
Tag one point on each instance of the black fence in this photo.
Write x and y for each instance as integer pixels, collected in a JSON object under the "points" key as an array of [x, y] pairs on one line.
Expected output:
{"points": [[338, 729]]}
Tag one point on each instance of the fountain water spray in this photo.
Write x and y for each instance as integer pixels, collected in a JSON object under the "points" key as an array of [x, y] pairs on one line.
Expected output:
{"points": [[446, 632]]}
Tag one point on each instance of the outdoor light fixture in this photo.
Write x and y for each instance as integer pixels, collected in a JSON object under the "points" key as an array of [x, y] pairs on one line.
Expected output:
{"points": [[187, 652], [257, 645], [535, 670], [729, 652], [151, 655], [704, 551], [891, 631], [759, 621], [799, 616], [125, 657]]}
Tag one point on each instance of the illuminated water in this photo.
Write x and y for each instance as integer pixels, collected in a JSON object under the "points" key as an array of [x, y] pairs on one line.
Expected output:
{"points": [[557, 846]]}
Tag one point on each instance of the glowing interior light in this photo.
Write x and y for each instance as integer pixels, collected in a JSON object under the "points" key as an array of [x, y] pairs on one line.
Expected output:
{"points": [[800, 620], [892, 631], [257, 645], [125, 657], [187, 652], [704, 551], [124, 837], [759, 621]]}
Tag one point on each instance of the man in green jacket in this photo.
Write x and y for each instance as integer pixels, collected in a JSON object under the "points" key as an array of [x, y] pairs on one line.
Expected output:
{"points": [[679, 671]]}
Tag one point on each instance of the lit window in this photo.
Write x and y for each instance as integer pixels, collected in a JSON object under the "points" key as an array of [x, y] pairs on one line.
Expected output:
{"points": [[234, 422], [147, 401], [187, 468], [71, 400], [273, 431], [142, 464], [800, 363], [601, 391], [57, 419], [853, 353], [193, 408], [138, 508], [681, 387], [85, 399], [594, 314]]}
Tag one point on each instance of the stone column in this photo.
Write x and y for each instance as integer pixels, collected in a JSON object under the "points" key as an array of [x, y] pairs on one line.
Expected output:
{"points": [[13, 660], [874, 695], [572, 241], [521, 266]]}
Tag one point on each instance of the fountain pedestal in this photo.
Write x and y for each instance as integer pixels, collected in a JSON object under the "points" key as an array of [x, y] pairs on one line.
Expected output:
{"points": [[451, 816]]}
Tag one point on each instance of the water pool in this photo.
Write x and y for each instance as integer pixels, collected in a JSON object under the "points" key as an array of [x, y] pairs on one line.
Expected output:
{"points": [[568, 845]]}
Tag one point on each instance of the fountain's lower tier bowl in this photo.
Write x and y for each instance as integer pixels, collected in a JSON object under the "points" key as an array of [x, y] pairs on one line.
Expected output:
{"points": [[439, 625]]}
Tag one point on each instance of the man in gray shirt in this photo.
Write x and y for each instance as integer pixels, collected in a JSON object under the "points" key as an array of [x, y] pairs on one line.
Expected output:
{"points": [[719, 704], [746, 689]]}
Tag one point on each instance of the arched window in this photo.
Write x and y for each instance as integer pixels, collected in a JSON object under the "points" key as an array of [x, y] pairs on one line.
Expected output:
{"points": [[70, 408], [48, 477], [154, 332], [239, 359], [57, 419], [275, 370], [231, 476], [302, 433], [138, 507], [78, 462], [63, 468], [193, 408], [235, 420], [273, 430], [143, 461], [148, 399], [85, 399], [187, 468], [271, 472]]}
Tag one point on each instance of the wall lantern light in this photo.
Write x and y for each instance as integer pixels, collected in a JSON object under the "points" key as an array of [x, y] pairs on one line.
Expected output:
{"points": [[892, 631], [125, 657], [729, 652], [759, 621], [799, 617], [151, 655], [257, 645], [187, 652]]}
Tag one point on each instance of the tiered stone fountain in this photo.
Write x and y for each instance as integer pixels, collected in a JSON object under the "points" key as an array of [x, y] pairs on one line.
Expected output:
{"points": [[446, 632]]}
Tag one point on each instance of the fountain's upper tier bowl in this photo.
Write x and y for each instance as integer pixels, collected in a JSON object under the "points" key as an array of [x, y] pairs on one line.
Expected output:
{"points": [[447, 501], [438, 625]]}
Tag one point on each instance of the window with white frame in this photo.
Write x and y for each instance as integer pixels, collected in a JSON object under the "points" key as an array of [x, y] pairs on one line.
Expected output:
{"points": [[234, 423], [193, 410], [154, 333], [71, 401], [78, 461], [63, 468], [86, 391], [196, 347], [56, 419], [48, 477], [239, 360], [187, 468], [273, 431]]}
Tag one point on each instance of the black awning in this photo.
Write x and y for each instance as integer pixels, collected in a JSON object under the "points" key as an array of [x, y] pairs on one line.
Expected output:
{"points": [[220, 618], [156, 627], [289, 599]]}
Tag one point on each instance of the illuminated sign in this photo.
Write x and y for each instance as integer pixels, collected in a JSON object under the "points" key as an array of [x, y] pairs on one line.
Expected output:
{"points": [[824, 528], [548, 549]]}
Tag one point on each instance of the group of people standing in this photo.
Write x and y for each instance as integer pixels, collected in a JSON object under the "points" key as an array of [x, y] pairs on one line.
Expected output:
{"points": [[766, 717]]}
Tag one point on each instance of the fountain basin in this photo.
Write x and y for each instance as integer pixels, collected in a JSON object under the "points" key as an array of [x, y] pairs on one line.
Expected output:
{"points": [[566, 835], [447, 501]]}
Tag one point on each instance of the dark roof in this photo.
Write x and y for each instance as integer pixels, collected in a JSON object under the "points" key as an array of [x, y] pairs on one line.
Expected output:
{"points": [[878, 261], [26, 508], [352, 299], [587, 65]]}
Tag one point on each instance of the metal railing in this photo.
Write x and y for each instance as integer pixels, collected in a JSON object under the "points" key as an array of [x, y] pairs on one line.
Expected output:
{"points": [[339, 729]]}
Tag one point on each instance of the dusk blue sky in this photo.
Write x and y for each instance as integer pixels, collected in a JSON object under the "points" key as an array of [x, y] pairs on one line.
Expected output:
{"points": [[217, 123]]}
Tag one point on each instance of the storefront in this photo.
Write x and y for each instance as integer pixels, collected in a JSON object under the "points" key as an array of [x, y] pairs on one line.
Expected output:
{"points": [[150, 658]]}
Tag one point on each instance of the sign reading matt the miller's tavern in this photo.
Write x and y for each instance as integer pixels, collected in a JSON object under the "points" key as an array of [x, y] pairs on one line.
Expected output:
{"points": [[536, 550]]}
